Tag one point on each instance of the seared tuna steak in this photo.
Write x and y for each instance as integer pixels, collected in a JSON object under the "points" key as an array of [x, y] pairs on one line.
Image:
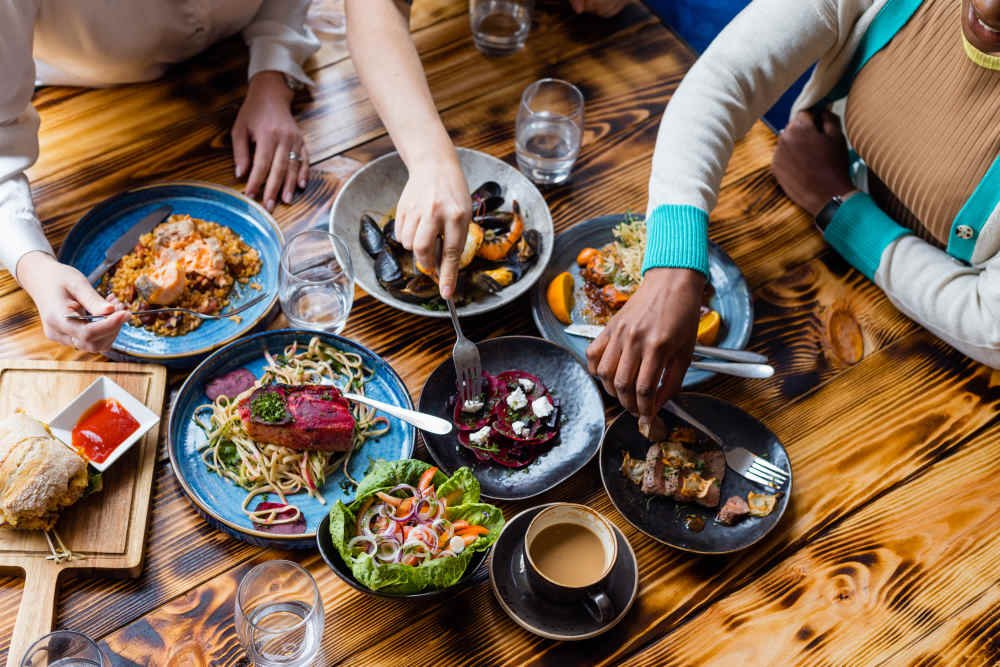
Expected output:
{"points": [[310, 416]]}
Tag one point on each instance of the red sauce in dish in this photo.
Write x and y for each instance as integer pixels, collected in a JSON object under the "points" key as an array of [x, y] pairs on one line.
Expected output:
{"points": [[104, 426]]}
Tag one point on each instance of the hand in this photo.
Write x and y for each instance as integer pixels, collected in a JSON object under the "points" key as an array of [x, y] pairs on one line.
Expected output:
{"points": [[59, 290], [651, 337], [266, 120], [435, 203], [603, 8], [811, 162]]}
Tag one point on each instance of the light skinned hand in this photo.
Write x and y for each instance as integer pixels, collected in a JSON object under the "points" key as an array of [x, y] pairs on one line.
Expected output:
{"points": [[811, 161], [643, 352], [265, 120], [603, 8], [59, 290], [435, 204]]}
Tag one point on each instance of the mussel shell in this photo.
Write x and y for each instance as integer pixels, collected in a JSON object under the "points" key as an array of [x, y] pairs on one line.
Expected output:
{"points": [[370, 236], [486, 191], [389, 234], [416, 290], [388, 271], [500, 220], [487, 205], [526, 250]]}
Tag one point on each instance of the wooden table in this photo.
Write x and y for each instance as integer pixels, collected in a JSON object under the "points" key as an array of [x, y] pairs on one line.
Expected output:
{"points": [[889, 551]]}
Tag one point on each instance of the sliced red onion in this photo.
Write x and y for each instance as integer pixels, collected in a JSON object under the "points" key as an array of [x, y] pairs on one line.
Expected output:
{"points": [[409, 515], [444, 528], [405, 487], [431, 512], [368, 540], [447, 553], [366, 520], [426, 531], [388, 550]]}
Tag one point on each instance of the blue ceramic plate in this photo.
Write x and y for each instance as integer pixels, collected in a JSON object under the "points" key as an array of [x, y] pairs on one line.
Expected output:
{"points": [[731, 298], [220, 501], [87, 242]]}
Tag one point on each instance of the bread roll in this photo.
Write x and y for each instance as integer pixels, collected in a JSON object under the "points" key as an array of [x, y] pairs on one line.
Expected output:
{"points": [[39, 476]]}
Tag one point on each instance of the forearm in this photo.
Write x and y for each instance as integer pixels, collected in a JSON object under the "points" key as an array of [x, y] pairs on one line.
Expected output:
{"points": [[389, 67]]}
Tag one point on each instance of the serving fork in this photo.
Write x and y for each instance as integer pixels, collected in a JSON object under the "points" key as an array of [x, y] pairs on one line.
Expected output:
{"points": [[468, 369], [221, 316], [744, 462]]}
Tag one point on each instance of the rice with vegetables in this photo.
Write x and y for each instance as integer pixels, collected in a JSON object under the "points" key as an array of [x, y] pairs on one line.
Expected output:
{"points": [[183, 262]]}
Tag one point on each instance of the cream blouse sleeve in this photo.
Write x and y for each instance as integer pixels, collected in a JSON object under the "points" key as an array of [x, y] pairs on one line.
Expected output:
{"points": [[279, 39], [20, 230]]}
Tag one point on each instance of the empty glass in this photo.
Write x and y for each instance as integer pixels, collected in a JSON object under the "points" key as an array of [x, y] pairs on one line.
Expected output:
{"points": [[64, 648], [279, 615], [316, 282], [548, 132], [500, 27]]}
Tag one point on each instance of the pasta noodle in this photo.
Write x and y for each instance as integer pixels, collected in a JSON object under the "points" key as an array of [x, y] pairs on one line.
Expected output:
{"points": [[265, 468]]}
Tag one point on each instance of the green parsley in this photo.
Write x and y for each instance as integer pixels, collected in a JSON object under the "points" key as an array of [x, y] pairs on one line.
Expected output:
{"points": [[228, 453], [269, 407]]}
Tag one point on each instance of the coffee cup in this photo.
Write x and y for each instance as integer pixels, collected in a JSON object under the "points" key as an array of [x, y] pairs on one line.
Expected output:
{"points": [[569, 552]]}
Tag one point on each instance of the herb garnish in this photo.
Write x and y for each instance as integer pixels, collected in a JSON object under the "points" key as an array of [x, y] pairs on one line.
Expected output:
{"points": [[269, 407]]}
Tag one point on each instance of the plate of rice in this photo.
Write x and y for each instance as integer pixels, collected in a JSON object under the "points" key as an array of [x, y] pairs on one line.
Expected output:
{"points": [[217, 250], [621, 241]]}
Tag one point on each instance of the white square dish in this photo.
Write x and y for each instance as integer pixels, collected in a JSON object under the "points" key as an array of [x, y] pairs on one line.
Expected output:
{"points": [[62, 424]]}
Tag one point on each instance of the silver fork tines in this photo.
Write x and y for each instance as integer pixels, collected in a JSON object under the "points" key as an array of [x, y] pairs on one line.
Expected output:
{"points": [[468, 370]]}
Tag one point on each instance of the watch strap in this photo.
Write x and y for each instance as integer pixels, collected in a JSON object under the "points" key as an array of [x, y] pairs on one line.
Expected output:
{"points": [[826, 214]]}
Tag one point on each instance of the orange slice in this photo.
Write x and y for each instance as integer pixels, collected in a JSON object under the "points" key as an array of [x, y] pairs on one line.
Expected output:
{"points": [[560, 297], [708, 328]]}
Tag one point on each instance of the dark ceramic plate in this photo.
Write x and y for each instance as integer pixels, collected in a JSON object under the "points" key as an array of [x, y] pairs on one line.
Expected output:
{"points": [[662, 518], [536, 614], [475, 574], [731, 298], [567, 379]]}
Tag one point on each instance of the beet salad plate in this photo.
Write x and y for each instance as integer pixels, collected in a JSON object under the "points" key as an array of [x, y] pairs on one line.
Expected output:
{"points": [[539, 419], [687, 523], [317, 417]]}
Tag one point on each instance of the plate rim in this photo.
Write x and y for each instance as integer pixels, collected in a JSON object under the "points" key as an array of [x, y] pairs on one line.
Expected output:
{"points": [[787, 491], [593, 382], [537, 302], [551, 635], [248, 325], [181, 479], [463, 311]]}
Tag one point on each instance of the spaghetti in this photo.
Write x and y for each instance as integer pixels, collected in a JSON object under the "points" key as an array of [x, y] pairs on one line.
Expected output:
{"points": [[265, 468]]}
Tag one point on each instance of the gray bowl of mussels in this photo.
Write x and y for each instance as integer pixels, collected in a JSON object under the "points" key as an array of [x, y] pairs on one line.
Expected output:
{"points": [[508, 246]]}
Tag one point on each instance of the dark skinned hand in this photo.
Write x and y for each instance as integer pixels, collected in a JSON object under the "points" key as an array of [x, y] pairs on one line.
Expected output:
{"points": [[644, 351], [811, 162]]}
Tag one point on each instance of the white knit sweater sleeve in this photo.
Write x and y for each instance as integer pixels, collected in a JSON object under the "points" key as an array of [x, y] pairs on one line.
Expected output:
{"points": [[280, 40], [743, 72], [19, 226]]}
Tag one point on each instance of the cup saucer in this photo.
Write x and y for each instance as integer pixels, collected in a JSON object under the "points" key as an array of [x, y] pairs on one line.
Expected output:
{"points": [[570, 622]]}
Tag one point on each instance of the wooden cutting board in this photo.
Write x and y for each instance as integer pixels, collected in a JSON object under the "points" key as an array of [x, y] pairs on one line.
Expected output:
{"points": [[108, 528]]}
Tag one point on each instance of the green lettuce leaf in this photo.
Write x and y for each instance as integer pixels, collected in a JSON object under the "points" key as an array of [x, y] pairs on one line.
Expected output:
{"points": [[404, 579]]}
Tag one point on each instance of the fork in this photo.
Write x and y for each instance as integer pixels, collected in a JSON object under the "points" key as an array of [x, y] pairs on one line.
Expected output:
{"points": [[742, 461], [468, 369], [221, 316]]}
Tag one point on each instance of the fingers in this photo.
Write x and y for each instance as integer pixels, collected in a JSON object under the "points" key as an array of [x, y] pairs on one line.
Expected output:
{"points": [[276, 175], [454, 242], [831, 124], [291, 177], [595, 351], [647, 383], [624, 379], [94, 337], [670, 386], [425, 245], [304, 167], [263, 156], [608, 365], [86, 296], [241, 148]]}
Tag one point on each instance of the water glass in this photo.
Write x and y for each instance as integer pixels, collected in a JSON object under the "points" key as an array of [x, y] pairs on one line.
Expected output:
{"points": [[316, 281], [64, 648], [500, 27], [548, 132], [279, 615]]}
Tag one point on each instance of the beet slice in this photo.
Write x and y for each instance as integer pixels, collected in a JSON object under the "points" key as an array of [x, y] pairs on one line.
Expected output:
{"points": [[291, 528], [515, 458], [230, 384], [463, 439], [473, 422], [508, 379], [536, 435]]}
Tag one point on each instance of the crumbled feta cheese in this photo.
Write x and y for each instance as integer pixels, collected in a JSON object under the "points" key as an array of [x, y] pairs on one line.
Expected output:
{"points": [[542, 407], [479, 437], [519, 428], [516, 399], [526, 384], [472, 405], [456, 544]]}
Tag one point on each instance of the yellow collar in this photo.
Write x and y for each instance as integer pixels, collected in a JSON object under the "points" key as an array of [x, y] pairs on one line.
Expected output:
{"points": [[980, 58]]}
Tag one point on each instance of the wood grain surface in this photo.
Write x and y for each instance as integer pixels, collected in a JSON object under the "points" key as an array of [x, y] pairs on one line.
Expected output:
{"points": [[888, 552]]}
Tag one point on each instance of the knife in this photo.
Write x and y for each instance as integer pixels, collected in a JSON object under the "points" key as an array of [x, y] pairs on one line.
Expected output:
{"points": [[126, 243], [745, 356]]}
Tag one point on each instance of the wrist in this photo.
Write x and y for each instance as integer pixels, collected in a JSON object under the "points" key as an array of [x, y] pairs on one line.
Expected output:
{"points": [[272, 84], [675, 278], [31, 264]]}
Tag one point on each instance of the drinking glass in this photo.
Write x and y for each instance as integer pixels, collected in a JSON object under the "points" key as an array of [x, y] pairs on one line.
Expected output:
{"points": [[500, 27], [548, 132], [64, 648], [279, 615], [316, 282]]}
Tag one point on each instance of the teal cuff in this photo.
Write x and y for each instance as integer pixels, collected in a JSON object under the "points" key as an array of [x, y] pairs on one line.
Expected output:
{"points": [[860, 231], [676, 237]]}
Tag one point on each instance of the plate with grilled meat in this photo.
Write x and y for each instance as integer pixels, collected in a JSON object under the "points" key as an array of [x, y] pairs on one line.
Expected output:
{"points": [[263, 440], [672, 483]]}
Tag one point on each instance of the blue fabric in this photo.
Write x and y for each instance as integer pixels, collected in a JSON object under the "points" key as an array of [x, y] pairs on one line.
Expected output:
{"points": [[860, 231], [697, 22], [975, 212], [677, 237]]}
